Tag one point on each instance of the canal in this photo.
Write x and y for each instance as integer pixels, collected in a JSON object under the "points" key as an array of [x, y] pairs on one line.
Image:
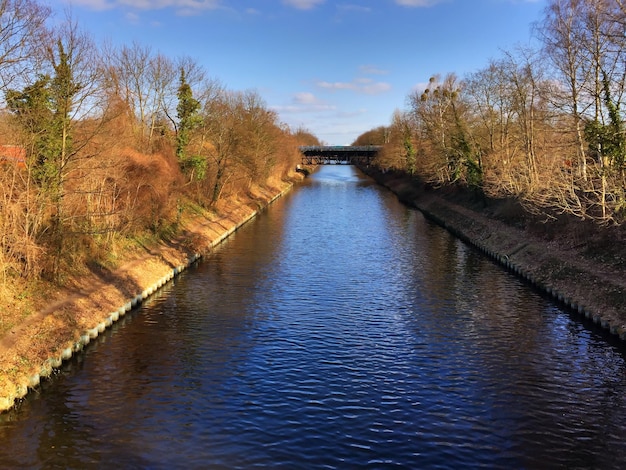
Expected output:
{"points": [[339, 329]]}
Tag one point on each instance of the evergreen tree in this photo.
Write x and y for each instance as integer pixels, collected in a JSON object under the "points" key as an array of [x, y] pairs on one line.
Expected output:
{"points": [[187, 109], [33, 111], [43, 110]]}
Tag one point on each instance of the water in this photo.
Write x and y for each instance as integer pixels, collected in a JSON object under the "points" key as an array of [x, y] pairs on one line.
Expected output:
{"points": [[339, 329]]}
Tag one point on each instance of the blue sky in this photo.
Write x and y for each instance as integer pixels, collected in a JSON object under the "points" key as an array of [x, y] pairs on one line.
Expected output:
{"points": [[335, 68]]}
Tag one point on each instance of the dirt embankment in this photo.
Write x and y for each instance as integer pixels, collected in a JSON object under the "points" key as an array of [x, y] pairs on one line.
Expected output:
{"points": [[580, 264], [94, 299]]}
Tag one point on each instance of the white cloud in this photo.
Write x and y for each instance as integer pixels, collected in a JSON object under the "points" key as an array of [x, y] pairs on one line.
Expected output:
{"points": [[305, 102], [295, 109], [420, 87], [418, 3], [336, 85], [352, 114], [372, 70], [97, 5], [181, 6], [303, 4], [362, 85], [132, 17], [305, 98], [356, 8]]}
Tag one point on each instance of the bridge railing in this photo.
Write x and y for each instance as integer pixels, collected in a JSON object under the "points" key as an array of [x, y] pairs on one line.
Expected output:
{"points": [[329, 154]]}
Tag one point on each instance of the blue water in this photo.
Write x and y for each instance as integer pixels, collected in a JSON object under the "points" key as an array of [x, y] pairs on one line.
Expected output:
{"points": [[339, 329]]}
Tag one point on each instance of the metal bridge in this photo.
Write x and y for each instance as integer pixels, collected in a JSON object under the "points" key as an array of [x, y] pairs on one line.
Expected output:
{"points": [[338, 154]]}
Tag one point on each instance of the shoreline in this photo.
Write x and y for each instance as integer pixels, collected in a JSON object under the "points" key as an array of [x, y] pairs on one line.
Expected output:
{"points": [[95, 302], [588, 288]]}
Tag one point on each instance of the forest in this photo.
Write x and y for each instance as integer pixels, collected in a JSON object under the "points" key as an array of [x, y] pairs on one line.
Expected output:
{"points": [[542, 125], [103, 145]]}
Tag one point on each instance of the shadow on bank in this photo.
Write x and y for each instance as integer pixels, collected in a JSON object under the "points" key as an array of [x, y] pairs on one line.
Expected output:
{"points": [[578, 264]]}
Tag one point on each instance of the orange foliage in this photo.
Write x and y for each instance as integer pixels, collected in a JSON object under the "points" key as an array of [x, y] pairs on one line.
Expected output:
{"points": [[150, 185]]}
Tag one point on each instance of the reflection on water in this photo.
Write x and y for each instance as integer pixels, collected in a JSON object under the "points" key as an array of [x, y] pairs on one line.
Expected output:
{"points": [[337, 330]]}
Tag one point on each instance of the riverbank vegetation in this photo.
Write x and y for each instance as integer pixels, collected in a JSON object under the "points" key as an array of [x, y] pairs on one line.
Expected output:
{"points": [[541, 126], [103, 148]]}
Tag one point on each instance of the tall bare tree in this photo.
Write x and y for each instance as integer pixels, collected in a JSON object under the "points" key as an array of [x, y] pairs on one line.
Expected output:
{"points": [[146, 82], [563, 38], [22, 30], [259, 136]]}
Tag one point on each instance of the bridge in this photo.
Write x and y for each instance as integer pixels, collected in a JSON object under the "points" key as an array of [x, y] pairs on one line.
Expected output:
{"points": [[338, 154]]}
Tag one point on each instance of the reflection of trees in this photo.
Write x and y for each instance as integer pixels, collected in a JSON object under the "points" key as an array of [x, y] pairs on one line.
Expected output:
{"points": [[538, 370]]}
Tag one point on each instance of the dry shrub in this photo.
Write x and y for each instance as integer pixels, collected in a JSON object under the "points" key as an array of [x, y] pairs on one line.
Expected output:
{"points": [[112, 189], [20, 224], [150, 188], [287, 158], [20, 213]]}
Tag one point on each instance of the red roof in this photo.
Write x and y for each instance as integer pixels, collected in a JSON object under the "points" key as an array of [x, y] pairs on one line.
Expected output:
{"points": [[13, 154]]}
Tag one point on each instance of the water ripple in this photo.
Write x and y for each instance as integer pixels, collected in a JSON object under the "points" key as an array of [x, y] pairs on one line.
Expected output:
{"points": [[339, 330]]}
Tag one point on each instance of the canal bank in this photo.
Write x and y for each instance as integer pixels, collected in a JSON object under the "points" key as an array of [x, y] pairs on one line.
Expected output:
{"points": [[338, 329], [580, 265], [92, 301]]}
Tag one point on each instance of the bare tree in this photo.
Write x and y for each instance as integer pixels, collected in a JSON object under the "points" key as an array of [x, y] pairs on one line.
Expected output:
{"points": [[486, 92], [22, 30], [584, 41], [61, 114], [146, 82], [440, 115], [562, 33], [259, 137], [22, 27], [400, 149]]}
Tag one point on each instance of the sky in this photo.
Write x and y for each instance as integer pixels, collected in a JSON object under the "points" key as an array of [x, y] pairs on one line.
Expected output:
{"points": [[335, 68]]}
